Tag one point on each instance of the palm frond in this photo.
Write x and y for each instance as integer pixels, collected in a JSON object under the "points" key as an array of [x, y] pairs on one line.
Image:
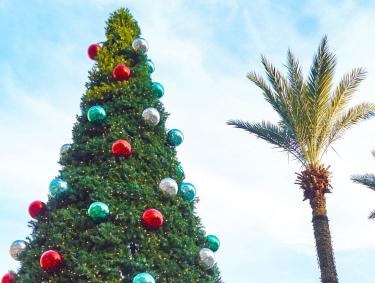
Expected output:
{"points": [[272, 98], [271, 133], [339, 101], [321, 74], [277, 80], [345, 89], [319, 86], [281, 89], [351, 117], [297, 97], [295, 75], [368, 180]]}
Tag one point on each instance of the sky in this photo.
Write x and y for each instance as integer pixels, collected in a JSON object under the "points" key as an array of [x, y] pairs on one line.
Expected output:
{"points": [[202, 51]]}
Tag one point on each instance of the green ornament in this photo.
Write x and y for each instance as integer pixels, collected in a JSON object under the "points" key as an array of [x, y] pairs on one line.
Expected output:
{"points": [[175, 137], [213, 242], [157, 89], [98, 211], [96, 114]]}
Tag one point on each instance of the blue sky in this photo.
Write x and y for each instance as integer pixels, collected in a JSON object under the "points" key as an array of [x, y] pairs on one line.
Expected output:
{"points": [[202, 53]]}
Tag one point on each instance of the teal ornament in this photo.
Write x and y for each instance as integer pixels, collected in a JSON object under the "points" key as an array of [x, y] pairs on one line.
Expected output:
{"points": [[96, 114], [143, 277], [150, 66], [98, 211], [57, 187], [180, 171], [157, 89], [213, 242], [175, 137], [187, 191]]}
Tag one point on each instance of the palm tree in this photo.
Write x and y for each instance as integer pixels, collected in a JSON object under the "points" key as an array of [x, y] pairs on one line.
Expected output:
{"points": [[369, 181], [313, 116]]}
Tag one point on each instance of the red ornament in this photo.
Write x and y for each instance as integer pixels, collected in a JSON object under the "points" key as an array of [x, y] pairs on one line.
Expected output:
{"points": [[37, 208], [121, 148], [8, 278], [50, 260], [121, 73], [152, 219], [93, 51]]}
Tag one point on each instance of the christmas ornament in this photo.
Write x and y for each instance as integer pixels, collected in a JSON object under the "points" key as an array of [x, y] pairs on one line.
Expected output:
{"points": [[93, 50], [8, 278], [121, 73], [151, 116], [57, 187], [213, 242], [157, 89], [98, 211], [50, 261], [96, 114], [168, 185], [143, 277], [180, 171], [17, 248], [152, 219], [37, 208], [187, 191], [64, 148], [207, 257], [140, 45], [121, 148], [133, 248], [175, 137], [150, 66]]}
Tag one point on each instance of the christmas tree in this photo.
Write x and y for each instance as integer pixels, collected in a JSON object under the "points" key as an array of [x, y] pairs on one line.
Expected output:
{"points": [[369, 181], [119, 210]]}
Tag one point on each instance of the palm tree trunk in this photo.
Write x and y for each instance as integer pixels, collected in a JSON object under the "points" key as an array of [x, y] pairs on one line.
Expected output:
{"points": [[323, 241]]}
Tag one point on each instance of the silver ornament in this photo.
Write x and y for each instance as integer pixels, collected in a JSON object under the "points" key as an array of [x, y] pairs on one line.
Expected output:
{"points": [[168, 185], [17, 248], [207, 256], [64, 148], [151, 116], [140, 45]]}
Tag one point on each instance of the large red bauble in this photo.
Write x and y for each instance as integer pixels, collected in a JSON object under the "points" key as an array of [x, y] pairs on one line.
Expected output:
{"points": [[50, 260], [152, 219], [37, 208], [93, 51], [121, 73], [121, 148], [8, 278]]}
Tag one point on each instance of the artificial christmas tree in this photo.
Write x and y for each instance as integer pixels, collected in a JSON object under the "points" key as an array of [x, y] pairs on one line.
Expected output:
{"points": [[107, 219]]}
